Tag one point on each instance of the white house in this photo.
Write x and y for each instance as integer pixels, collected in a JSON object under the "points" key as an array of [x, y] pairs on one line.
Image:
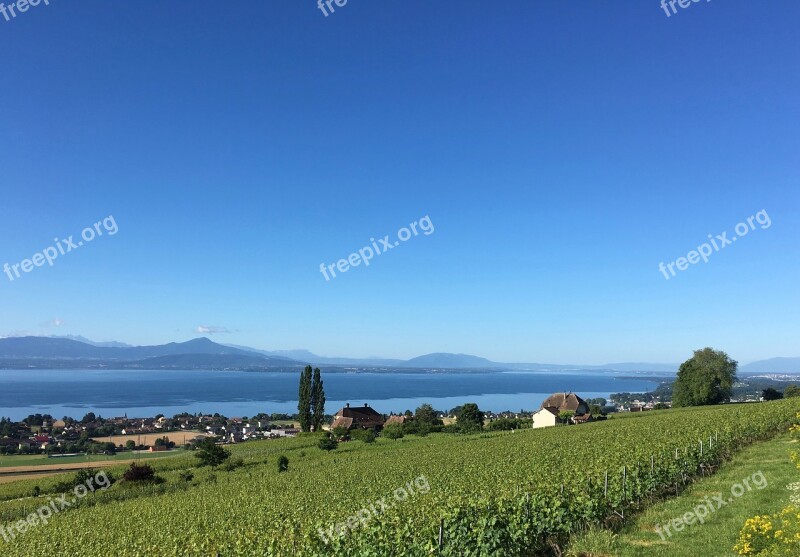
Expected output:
{"points": [[556, 403], [545, 417]]}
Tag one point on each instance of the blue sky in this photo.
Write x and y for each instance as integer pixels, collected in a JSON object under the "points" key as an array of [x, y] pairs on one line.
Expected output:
{"points": [[561, 151]]}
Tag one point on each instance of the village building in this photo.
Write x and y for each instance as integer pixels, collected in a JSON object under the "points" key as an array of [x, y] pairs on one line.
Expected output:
{"points": [[555, 404], [362, 417], [399, 420]]}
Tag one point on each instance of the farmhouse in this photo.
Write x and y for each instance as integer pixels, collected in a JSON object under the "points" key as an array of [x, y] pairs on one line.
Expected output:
{"points": [[357, 418], [556, 403], [399, 420]]}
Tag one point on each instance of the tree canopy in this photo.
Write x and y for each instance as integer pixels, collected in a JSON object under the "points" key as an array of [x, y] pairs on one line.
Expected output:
{"points": [[393, 431], [771, 394], [791, 391], [317, 401], [425, 414], [705, 378], [470, 418], [211, 454], [304, 400]]}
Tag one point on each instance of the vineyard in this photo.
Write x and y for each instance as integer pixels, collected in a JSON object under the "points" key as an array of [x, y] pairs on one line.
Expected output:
{"points": [[510, 494]]}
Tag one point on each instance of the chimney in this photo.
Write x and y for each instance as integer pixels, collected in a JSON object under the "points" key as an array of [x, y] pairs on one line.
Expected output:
{"points": [[347, 405], [366, 405]]}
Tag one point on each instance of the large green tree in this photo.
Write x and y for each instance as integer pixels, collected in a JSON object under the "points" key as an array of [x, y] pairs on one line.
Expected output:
{"points": [[791, 391], [425, 414], [470, 418], [705, 378], [304, 400], [771, 394], [211, 454], [317, 401]]}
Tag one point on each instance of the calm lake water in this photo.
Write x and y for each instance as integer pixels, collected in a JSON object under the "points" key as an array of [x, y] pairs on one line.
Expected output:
{"points": [[236, 393]]}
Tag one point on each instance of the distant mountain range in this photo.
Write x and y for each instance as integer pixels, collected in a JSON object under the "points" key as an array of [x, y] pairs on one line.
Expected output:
{"points": [[773, 365], [202, 353], [79, 338]]}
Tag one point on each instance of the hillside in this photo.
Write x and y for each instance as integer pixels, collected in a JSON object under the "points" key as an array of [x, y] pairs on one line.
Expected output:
{"points": [[510, 494]]}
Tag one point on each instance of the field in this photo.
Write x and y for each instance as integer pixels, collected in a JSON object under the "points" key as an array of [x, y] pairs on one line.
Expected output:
{"points": [[42, 462], [178, 437], [510, 494], [28, 467]]}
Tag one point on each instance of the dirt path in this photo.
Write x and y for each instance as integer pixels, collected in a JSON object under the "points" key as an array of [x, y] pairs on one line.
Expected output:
{"points": [[57, 468]]}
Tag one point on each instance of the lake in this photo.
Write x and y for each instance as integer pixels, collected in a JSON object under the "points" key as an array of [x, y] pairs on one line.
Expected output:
{"points": [[140, 393]]}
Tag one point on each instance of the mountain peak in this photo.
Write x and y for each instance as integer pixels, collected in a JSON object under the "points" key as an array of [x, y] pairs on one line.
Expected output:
{"points": [[445, 359]]}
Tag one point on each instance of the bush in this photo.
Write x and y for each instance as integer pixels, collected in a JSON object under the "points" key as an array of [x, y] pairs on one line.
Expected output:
{"points": [[82, 477], [186, 475], [365, 435], [283, 464], [776, 535], [393, 431], [232, 465], [328, 444], [211, 454], [141, 473], [504, 424], [416, 427]]}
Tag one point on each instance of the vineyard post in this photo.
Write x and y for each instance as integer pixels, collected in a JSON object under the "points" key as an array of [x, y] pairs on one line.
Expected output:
{"points": [[441, 532], [652, 464], [638, 480], [701, 448], [624, 481], [605, 488]]}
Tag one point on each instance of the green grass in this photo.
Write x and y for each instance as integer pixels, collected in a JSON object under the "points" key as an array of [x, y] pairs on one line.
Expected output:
{"points": [[290, 423], [717, 535], [42, 460]]}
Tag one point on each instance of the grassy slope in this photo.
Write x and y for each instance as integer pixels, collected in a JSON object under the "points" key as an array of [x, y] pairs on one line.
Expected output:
{"points": [[225, 509], [717, 536], [42, 460]]}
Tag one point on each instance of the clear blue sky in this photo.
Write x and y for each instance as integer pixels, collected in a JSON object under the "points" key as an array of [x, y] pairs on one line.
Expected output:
{"points": [[562, 150]]}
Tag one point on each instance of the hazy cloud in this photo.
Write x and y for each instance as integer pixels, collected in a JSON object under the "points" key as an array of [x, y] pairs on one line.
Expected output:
{"points": [[212, 330]]}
